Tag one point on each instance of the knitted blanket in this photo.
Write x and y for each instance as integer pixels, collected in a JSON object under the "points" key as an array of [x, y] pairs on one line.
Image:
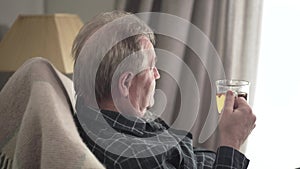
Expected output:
{"points": [[36, 124]]}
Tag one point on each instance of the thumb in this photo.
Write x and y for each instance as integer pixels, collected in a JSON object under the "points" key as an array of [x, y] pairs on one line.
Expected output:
{"points": [[229, 101]]}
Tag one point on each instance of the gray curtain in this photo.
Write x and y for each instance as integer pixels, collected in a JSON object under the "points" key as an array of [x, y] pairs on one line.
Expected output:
{"points": [[233, 28]]}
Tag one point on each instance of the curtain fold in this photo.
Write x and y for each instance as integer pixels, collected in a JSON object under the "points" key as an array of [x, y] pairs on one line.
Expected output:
{"points": [[233, 28]]}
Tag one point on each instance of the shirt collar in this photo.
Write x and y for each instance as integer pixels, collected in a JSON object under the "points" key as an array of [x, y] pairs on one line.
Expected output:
{"points": [[124, 122]]}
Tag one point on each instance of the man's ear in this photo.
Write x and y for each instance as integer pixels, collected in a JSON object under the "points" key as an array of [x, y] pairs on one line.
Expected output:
{"points": [[124, 83]]}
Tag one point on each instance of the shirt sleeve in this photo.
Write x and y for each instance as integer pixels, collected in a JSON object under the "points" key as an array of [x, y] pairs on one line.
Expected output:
{"points": [[225, 158], [228, 157]]}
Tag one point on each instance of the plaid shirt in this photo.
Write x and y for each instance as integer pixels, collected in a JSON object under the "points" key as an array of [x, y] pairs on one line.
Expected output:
{"points": [[124, 142]]}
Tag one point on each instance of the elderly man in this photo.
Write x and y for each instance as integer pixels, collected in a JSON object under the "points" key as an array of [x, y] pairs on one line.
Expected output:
{"points": [[114, 79]]}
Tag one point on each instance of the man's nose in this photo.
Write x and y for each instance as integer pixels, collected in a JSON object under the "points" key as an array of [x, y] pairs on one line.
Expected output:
{"points": [[156, 73]]}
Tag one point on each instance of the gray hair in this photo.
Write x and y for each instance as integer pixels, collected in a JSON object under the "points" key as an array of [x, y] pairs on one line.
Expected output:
{"points": [[104, 42]]}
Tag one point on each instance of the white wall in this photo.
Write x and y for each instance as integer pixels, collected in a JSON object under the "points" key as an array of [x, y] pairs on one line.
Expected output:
{"points": [[275, 142], [86, 9]]}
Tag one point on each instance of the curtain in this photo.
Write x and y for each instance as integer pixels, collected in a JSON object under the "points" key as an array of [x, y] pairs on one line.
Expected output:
{"points": [[233, 29]]}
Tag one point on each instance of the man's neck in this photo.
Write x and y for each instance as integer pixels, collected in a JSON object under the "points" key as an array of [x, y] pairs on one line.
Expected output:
{"points": [[107, 105], [125, 108]]}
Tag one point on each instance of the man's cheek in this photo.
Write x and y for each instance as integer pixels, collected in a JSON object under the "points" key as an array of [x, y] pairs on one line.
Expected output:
{"points": [[152, 94], [151, 102]]}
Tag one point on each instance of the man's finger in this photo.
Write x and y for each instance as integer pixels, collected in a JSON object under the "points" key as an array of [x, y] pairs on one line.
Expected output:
{"points": [[229, 101], [241, 101]]}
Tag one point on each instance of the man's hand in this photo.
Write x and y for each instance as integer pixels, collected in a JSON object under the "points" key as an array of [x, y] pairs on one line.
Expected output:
{"points": [[236, 121]]}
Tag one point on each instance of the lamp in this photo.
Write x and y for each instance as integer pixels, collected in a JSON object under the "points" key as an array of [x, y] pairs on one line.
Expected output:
{"points": [[48, 36]]}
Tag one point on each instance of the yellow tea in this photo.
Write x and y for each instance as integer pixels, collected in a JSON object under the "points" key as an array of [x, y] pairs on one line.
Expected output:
{"points": [[220, 98]]}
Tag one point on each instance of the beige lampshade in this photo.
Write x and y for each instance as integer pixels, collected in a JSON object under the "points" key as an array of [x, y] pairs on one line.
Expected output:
{"points": [[48, 36]]}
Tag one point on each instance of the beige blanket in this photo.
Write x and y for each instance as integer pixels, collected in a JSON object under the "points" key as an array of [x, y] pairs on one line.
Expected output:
{"points": [[36, 125]]}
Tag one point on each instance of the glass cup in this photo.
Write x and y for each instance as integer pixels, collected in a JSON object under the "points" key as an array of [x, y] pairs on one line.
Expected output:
{"points": [[239, 87]]}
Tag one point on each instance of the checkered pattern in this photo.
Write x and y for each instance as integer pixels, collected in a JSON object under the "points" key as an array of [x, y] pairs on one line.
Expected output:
{"points": [[124, 142]]}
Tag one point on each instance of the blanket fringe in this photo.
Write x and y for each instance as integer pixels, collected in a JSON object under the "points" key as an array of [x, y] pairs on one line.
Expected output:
{"points": [[5, 161]]}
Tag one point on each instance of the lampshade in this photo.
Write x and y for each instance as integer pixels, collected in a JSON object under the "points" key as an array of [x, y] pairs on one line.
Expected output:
{"points": [[48, 36]]}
